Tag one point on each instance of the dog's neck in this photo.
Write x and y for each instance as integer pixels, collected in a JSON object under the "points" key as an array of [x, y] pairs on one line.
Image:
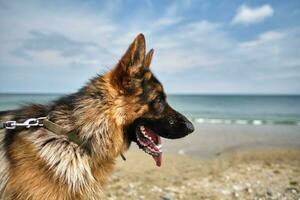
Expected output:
{"points": [[89, 114]]}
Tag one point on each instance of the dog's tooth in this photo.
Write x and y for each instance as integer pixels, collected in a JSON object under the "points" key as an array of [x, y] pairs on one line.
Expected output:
{"points": [[144, 132], [147, 137], [159, 146], [150, 148]]}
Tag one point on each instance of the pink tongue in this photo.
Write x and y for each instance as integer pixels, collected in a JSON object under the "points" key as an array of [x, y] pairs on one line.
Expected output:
{"points": [[157, 160]]}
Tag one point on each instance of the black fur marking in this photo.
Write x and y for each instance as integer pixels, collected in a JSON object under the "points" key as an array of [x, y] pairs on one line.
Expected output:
{"points": [[86, 146], [5, 113], [57, 163], [48, 141]]}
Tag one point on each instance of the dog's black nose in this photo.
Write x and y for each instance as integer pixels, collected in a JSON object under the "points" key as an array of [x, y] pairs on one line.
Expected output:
{"points": [[190, 127]]}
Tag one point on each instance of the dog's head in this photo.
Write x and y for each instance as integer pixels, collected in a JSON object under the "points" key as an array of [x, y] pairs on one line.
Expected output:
{"points": [[148, 113]]}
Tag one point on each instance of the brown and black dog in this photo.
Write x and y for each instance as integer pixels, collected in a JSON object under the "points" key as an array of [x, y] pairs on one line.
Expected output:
{"points": [[123, 105]]}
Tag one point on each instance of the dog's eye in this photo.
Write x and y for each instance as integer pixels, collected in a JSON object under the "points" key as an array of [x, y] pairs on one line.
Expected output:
{"points": [[158, 99], [159, 104]]}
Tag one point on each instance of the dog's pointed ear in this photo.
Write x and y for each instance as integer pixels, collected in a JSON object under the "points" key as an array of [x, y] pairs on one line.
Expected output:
{"points": [[131, 65], [148, 58], [134, 56]]}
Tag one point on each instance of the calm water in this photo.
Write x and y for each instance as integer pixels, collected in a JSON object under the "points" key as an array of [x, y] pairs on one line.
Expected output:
{"points": [[228, 109]]}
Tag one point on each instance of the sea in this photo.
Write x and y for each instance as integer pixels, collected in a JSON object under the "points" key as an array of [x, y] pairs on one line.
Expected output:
{"points": [[210, 109]]}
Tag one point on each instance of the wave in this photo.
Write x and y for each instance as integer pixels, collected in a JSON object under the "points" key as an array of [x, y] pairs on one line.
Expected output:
{"points": [[256, 122]]}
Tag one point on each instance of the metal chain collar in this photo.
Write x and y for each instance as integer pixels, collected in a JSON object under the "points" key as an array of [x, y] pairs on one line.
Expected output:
{"points": [[28, 123]]}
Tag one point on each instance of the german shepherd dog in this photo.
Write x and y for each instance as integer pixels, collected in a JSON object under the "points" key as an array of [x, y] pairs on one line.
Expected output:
{"points": [[124, 105]]}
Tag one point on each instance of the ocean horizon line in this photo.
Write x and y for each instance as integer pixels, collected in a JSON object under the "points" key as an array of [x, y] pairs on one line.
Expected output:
{"points": [[181, 94]]}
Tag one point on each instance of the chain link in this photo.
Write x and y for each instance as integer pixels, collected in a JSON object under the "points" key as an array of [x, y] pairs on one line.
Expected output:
{"points": [[28, 123]]}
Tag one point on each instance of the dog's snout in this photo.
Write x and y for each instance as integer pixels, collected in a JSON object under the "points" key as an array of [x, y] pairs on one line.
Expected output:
{"points": [[190, 127], [186, 124], [176, 124]]}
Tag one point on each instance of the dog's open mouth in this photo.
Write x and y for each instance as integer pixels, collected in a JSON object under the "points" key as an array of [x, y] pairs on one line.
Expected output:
{"points": [[150, 142]]}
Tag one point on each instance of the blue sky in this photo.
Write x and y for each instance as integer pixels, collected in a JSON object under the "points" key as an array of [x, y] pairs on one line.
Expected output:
{"points": [[201, 46]]}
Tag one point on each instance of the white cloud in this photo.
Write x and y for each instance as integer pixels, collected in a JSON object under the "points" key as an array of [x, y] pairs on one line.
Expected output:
{"points": [[166, 21], [248, 15], [264, 38]]}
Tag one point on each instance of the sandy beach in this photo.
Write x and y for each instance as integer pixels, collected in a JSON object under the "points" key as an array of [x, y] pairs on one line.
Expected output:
{"points": [[215, 162]]}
